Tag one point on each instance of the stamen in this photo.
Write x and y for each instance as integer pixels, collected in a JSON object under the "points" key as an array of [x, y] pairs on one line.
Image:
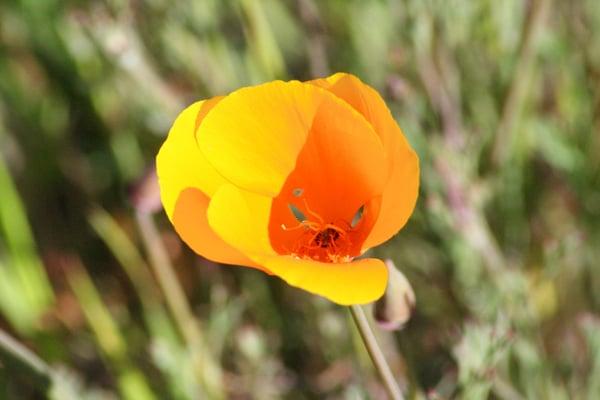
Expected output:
{"points": [[311, 212], [285, 228]]}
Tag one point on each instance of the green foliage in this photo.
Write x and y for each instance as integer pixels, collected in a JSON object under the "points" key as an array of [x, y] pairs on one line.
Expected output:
{"points": [[499, 98]]}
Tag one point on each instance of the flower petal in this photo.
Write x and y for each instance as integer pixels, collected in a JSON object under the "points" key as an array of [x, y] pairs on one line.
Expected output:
{"points": [[369, 103], [254, 135], [180, 163], [400, 194], [358, 282], [340, 169], [191, 223], [241, 218], [398, 199], [186, 181]]}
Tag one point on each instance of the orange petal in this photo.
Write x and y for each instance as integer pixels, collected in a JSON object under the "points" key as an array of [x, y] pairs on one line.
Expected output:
{"points": [[369, 103], [400, 194], [180, 163], [341, 168], [398, 199], [254, 135], [190, 221], [358, 282]]}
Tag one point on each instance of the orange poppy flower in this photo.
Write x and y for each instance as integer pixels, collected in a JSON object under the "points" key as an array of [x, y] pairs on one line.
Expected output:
{"points": [[293, 178]]}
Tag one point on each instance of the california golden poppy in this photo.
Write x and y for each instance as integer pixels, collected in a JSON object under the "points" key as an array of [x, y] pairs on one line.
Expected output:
{"points": [[293, 178]]}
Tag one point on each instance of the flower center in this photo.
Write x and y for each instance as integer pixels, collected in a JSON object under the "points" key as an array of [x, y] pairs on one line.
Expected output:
{"points": [[320, 240]]}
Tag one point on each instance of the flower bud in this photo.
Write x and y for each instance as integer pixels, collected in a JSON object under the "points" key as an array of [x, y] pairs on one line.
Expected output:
{"points": [[394, 308]]}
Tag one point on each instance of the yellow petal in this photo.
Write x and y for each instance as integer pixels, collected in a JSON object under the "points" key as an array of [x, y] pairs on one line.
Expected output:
{"points": [[254, 135], [190, 221], [186, 181], [241, 218], [358, 282], [180, 163]]}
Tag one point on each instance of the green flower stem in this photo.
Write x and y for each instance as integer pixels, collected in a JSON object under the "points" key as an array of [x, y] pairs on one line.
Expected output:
{"points": [[14, 354], [207, 367], [375, 352]]}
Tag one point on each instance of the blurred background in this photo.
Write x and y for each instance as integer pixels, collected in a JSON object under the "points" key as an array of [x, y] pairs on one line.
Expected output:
{"points": [[501, 99]]}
